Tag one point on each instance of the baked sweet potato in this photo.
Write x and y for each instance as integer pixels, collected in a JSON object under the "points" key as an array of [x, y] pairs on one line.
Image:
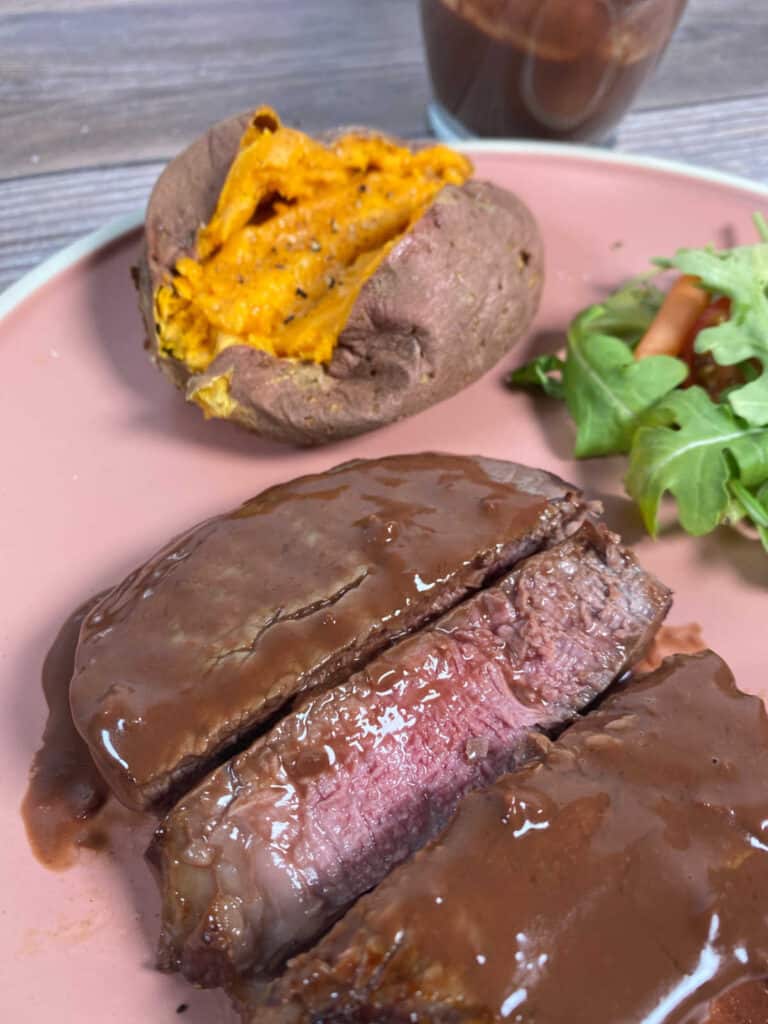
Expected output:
{"points": [[315, 290]]}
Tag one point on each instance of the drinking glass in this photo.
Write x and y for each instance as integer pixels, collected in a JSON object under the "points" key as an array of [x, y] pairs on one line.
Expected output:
{"points": [[546, 69]]}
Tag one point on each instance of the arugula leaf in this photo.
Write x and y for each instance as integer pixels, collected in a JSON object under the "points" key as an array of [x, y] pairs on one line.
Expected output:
{"points": [[684, 448], [741, 274], [750, 503], [607, 389], [628, 312], [762, 497], [754, 507], [544, 372], [713, 458]]}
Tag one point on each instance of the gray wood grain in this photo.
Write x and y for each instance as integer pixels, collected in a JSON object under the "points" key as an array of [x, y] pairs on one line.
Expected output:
{"points": [[89, 82], [41, 213], [730, 135], [96, 94]]}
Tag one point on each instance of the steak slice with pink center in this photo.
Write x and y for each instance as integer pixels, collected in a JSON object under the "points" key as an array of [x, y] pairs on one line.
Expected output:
{"points": [[271, 848]]}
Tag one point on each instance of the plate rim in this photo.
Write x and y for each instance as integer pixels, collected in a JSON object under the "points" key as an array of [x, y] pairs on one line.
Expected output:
{"points": [[20, 290]]}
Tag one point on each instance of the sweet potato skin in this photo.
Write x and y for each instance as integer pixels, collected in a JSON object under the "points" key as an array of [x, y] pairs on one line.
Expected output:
{"points": [[449, 300]]}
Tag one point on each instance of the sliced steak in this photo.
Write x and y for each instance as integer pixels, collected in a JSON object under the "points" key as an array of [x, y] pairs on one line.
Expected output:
{"points": [[295, 589], [275, 844], [622, 879], [744, 1004]]}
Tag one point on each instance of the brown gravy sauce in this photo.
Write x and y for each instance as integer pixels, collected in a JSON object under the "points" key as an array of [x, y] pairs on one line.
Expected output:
{"points": [[62, 805], [66, 804], [684, 639], [201, 645], [620, 880], [743, 1004]]}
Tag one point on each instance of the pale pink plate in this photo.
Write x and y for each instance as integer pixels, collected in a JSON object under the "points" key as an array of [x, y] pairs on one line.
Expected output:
{"points": [[103, 461]]}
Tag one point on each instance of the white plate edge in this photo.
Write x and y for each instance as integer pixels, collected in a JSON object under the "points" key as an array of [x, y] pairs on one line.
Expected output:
{"points": [[26, 285], [597, 154]]}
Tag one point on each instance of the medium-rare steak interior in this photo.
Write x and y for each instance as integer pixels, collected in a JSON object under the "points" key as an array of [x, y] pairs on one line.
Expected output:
{"points": [[295, 589], [258, 860], [311, 685], [621, 879]]}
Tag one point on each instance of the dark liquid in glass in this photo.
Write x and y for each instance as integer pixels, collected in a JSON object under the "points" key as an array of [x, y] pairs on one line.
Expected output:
{"points": [[550, 69]]}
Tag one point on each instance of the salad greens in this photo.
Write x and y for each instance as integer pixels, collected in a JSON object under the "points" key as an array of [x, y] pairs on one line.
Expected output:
{"points": [[606, 389], [697, 450], [705, 445]]}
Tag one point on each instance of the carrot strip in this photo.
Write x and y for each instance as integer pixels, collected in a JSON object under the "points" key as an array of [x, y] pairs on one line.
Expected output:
{"points": [[715, 313], [685, 302]]}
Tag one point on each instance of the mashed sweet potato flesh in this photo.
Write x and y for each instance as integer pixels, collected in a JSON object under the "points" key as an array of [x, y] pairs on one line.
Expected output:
{"points": [[298, 228]]}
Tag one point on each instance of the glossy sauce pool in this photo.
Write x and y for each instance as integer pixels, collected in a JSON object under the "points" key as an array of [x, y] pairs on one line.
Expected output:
{"points": [[66, 791]]}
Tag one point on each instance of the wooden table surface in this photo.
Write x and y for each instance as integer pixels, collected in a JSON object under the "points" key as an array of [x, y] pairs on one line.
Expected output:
{"points": [[95, 95]]}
